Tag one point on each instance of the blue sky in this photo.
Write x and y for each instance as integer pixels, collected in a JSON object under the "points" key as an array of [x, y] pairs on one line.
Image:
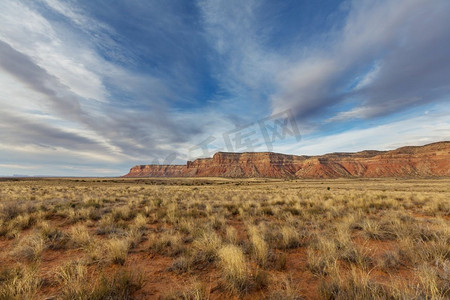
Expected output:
{"points": [[91, 88]]}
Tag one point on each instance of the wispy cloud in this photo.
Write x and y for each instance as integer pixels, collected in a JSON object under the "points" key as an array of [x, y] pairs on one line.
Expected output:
{"points": [[397, 51], [244, 68], [125, 114], [413, 131], [101, 87]]}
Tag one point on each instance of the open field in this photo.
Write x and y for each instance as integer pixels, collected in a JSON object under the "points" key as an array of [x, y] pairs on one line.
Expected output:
{"points": [[223, 238]]}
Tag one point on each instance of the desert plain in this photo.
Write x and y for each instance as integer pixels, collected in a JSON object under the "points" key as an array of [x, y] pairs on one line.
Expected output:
{"points": [[217, 238]]}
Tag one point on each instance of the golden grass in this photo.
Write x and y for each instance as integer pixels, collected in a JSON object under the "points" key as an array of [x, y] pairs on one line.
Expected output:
{"points": [[234, 268], [19, 283], [259, 245], [274, 239]]}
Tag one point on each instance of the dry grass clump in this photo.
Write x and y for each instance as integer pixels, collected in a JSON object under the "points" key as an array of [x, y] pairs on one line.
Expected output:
{"points": [[75, 215], [285, 289], [30, 248], [172, 214], [433, 252], [217, 222], [107, 226], [117, 250], [166, 243], [22, 222], [134, 237], [76, 284], [322, 256], [182, 264], [79, 236], [231, 235], [357, 285], [140, 222], [390, 260], [206, 247], [73, 279], [259, 245], [195, 291], [434, 284], [19, 283], [9, 210], [373, 230], [234, 268], [290, 238], [187, 226], [55, 238], [11, 225], [124, 213]]}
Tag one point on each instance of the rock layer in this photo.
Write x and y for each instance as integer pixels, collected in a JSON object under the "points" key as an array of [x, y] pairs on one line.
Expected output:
{"points": [[432, 160]]}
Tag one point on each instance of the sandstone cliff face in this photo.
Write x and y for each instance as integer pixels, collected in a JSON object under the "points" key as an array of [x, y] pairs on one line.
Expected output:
{"points": [[156, 171], [422, 161]]}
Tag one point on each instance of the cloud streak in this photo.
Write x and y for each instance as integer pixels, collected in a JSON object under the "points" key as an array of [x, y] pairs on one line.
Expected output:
{"points": [[388, 56], [93, 87]]}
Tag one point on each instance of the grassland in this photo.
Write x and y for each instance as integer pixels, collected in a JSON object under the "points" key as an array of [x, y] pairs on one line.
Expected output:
{"points": [[223, 239]]}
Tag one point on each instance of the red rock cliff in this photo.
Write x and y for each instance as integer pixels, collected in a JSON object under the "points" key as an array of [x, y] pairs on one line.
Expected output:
{"points": [[421, 161]]}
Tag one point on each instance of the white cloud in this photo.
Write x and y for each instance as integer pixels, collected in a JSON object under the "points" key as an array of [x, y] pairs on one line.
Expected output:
{"points": [[368, 78], [21, 167], [420, 130], [407, 43], [72, 62]]}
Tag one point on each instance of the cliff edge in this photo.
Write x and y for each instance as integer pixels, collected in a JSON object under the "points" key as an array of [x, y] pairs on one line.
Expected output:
{"points": [[432, 160]]}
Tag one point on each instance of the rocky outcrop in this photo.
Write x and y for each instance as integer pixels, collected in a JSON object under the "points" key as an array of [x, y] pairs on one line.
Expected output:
{"points": [[422, 161], [156, 171]]}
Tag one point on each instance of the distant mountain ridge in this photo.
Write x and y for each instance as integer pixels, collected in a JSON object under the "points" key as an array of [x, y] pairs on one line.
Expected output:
{"points": [[432, 160]]}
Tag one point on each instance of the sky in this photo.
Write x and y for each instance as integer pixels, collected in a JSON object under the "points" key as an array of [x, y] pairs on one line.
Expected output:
{"points": [[91, 88]]}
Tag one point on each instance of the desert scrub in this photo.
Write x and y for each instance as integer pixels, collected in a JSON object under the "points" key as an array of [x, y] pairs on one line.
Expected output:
{"points": [[182, 264], [322, 256], [289, 237], [431, 284], [121, 284], [93, 202], [166, 243], [231, 235], [22, 222], [284, 289], [402, 253], [18, 283], [372, 230], [55, 239], [172, 213], [217, 222], [11, 209], [74, 215], [79, 236], [195, 291], [234, 268], [117, 250], [206, 247], [259, 245], [123, 213], [30, 248], [187, 226], [140, 222], [107, 225], [76, 284], [390, 260], [12, 228], [418, 252], [357, 285], [73, 279]]}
